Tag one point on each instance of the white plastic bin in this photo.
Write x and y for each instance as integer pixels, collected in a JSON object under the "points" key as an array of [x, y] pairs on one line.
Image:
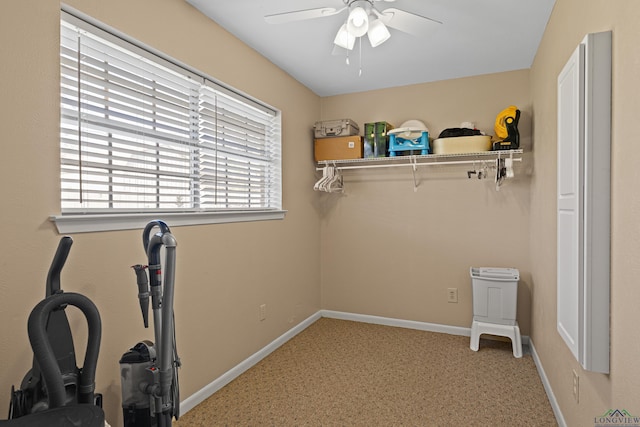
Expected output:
{"points": [[495, 294]]}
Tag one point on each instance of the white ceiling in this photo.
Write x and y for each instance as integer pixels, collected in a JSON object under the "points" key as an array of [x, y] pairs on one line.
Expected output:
{"points": [[476, 37]]}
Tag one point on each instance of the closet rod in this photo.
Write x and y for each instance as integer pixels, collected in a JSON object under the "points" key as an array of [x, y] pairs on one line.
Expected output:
{"points": [[412, 164]]}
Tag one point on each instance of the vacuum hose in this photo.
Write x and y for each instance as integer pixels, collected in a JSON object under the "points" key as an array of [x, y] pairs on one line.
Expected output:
{"points": [[44, 355]]}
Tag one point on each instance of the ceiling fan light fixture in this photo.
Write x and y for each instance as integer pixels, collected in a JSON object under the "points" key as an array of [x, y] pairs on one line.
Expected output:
{"points": [[344, 39], [378, 33], [358, 22]]}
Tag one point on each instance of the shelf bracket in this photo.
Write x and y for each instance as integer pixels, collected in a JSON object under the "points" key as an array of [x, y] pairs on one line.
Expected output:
{"points": [[414, 164]]}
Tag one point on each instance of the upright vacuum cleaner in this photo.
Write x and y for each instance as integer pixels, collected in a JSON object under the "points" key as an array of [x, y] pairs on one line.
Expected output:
{"points": [[148, 371], [55, 391]]}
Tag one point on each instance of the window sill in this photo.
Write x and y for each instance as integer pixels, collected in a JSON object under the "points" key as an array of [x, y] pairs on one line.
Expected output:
{"points": [[87, 223]]}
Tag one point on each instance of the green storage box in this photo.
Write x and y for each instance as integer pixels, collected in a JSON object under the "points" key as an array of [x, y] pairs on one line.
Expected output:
{"points": [[376, 140]]}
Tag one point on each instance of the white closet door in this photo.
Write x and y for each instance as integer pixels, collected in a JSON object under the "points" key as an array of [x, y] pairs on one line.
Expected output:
{"points": [[584, 192], [570, 161]]}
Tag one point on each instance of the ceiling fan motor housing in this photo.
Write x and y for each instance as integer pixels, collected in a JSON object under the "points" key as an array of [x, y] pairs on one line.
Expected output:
{"points": [[358, 21]]}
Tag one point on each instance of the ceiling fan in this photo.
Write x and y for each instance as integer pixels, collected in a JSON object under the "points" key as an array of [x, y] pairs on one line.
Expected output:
{"points": [[364, 18]]}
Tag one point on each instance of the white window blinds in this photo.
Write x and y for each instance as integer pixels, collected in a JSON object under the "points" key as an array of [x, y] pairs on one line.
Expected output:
{"points": [[141, 134]]}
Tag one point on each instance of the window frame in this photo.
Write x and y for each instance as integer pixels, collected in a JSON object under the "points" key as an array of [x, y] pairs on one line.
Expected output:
{"points": [[78, 220]]}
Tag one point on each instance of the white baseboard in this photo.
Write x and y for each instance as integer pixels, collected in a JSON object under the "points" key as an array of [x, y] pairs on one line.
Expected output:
{"points": [[208, 390], [388, 321], [202, 394], [547, 387], [409, 324]]}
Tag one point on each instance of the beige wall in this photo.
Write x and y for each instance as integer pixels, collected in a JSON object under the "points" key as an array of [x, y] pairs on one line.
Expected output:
{"points": [[570, 22], [390, 251], [224, 272], [385, 249]]}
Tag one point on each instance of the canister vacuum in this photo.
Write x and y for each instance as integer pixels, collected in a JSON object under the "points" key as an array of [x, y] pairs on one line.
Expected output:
{"points": [[149, 371]]}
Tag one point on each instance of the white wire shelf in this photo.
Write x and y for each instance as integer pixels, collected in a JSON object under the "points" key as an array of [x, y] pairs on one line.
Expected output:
{"points": [[502, 161], [423, 160]]}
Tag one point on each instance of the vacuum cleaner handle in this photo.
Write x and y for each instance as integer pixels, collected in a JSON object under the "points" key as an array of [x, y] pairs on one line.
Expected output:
{"points": [[53, 278], [164, 228], [152, 245], [44, 355]]}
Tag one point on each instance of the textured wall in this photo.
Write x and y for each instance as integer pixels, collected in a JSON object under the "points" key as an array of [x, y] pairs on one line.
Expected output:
{"points": [[224, 272], [390, 251], [570, 22]]}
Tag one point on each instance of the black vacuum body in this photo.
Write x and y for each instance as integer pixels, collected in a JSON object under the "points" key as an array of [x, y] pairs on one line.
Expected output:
{"points": [[137, 371], [55, 388]]}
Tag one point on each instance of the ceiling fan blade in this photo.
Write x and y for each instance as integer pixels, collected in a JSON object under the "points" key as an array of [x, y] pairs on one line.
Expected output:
{"points": [[339, 51], [408, 22], [300, 15]]}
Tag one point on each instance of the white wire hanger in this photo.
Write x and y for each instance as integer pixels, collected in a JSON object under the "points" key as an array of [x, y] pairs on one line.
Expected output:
{"points": [[331, 181]]}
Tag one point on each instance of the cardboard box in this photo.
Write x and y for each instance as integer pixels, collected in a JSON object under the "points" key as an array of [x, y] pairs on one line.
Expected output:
{"points": [[340, 148], [376, 139]]}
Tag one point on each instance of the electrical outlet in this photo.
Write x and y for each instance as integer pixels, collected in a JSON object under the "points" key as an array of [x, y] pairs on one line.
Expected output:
{"points": [[452, 294], [263, 312], [576, 386]]}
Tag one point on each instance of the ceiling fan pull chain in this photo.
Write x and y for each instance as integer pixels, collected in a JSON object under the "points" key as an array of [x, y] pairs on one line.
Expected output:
{"points": [[348, 35], [360, 54]]}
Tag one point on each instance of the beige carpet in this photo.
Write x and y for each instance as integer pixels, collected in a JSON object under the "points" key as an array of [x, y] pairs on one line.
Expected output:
{"points": [[342, 373]]}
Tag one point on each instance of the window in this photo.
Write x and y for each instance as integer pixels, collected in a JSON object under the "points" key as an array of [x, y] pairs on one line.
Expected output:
{"points": [[141, 135]]}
